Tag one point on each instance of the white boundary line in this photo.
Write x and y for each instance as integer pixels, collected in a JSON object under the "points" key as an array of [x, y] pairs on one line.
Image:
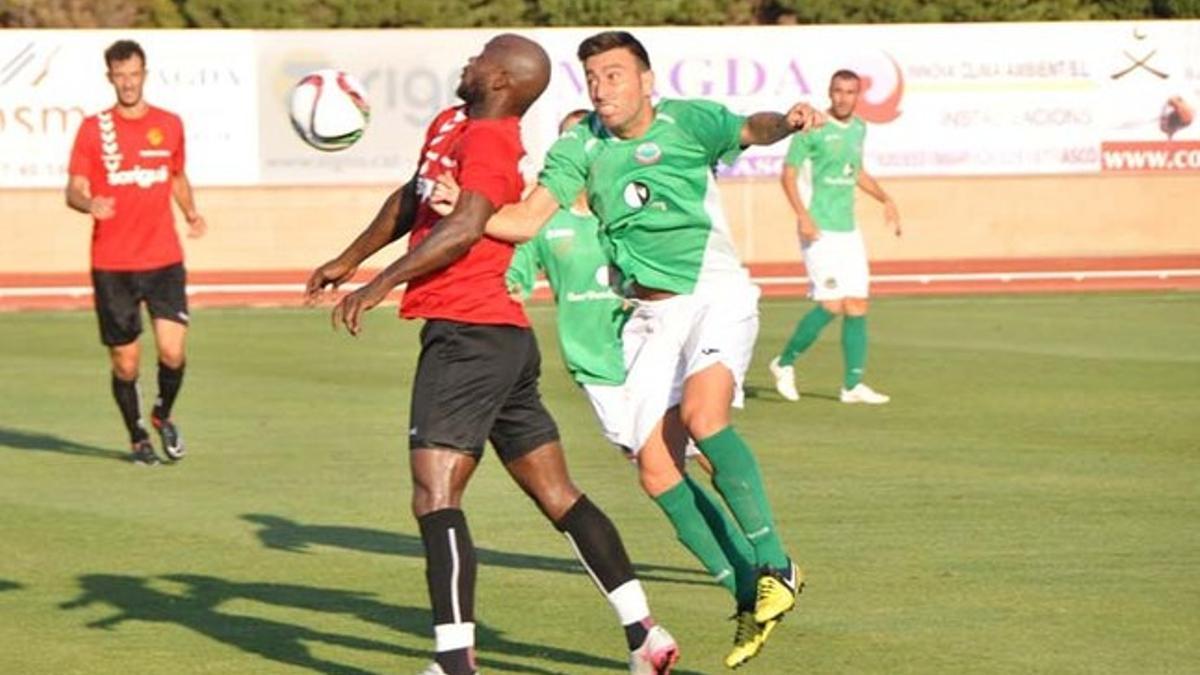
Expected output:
{"points": [[1003, 277]]}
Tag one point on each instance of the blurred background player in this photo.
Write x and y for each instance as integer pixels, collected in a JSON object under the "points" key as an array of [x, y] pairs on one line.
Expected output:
{"points": [[126, 165], [832, 244], [647, 171], [477, 375]]}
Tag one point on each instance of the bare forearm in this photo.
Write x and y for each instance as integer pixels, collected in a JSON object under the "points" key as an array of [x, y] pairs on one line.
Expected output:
{"points": [[765, 128], [788, 180], [448, 242], [521, 221], [181, 189], [393, 221], [79, 200], [869, 185]]}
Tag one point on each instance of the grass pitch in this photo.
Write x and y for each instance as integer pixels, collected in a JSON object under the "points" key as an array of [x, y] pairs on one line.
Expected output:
{"points": [[1026, 504]]}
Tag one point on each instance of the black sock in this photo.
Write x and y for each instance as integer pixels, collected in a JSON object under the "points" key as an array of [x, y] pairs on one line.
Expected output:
{"points": [[600, 549], [128, 402], [169, 381], [450, 556]]}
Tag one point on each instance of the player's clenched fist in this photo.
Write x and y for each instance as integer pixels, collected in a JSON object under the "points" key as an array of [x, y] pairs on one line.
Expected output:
{"points": [[804, 117]]}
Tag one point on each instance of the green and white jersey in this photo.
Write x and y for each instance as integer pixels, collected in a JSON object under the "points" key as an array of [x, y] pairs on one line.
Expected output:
{"points": [[590, 315], [660, 214], [836, 151]]}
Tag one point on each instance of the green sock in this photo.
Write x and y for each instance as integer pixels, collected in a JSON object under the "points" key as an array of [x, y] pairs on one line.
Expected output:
{"points": [[693, 532], [807, 331], [737, 478], [854, 349], [732, 541]]}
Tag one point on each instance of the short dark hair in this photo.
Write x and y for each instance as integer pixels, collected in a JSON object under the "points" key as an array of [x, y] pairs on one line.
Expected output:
{"points": [[122, 50], [844, 74], [610, 40]]}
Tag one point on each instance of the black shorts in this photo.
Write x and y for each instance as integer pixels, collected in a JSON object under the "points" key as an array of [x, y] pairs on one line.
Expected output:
{"points": [[118, 298], [476, 383]]}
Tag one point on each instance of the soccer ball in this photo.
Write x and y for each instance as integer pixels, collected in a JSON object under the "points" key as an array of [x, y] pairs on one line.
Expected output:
{"points": [[329, 109]]}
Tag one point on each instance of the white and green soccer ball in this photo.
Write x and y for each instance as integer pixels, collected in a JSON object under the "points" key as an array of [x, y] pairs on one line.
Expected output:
{"points": [[329, 109]]}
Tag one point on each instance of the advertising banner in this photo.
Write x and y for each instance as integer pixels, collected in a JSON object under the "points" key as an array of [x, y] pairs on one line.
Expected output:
{"points": [[51, 79], [940, 100]]}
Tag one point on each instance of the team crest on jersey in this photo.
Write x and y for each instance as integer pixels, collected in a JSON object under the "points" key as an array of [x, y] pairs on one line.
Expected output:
{"points": [[154, 136], [647, 153], [831, 283], [637, 194]]}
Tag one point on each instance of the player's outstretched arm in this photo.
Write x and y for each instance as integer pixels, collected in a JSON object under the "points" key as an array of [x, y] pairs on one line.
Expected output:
{"points": [[891, 215], [181, 189], [767, 128], [517, 223], [521, 221], [394, 220], [448, 241]]}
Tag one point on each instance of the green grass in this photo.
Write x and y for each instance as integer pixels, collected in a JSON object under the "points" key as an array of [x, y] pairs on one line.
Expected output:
{"points": [[1027, 503]]}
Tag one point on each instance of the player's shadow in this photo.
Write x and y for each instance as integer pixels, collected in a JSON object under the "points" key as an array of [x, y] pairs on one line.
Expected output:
{"points": [[199, 607], [283, 534], [36, 441], [818, 395], [6, 585], [769, 395]]}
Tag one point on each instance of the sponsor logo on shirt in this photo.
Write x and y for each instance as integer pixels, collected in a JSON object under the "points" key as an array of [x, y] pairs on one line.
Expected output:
{"points": [[138, 176], [589, 296], [647, 153], [110, 156], [637, 194]]}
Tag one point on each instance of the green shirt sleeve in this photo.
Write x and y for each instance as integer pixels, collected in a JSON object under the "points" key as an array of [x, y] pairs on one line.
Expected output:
{"points": [[522, 271], [565, 171], [716, 128], [798, 149]]}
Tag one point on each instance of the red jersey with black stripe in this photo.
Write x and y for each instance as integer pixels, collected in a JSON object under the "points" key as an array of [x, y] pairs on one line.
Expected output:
{"points": [[483, 156], [132, 161]]}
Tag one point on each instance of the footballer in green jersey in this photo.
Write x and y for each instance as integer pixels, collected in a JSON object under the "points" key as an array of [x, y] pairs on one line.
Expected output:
{"points": [[646, 170], [834, 254]]}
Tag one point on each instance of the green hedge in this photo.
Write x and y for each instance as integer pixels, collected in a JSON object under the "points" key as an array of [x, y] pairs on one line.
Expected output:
{"points": [[469, 13]]}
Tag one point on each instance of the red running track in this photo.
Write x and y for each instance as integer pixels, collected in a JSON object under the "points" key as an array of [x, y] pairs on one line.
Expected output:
{"points": [[888, 278]]}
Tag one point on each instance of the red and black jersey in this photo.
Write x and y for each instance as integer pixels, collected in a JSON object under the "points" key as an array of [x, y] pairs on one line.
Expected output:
{"points": [[482, 155]]}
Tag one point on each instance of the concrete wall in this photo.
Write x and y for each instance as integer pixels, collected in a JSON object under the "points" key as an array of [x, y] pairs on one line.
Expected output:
{"points": [[945, 219]]}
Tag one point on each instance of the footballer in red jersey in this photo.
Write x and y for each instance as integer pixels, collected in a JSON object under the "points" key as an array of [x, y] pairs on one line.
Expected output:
{"points": [[126, 165], [477, 374]]}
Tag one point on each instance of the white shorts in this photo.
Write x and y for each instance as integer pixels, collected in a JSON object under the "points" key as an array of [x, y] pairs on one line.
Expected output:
{"points": [[837, 266], [667, 341], [612, 405]]}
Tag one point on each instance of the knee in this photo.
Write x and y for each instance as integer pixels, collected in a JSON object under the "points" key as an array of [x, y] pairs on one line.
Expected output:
{"points": [[704, 421], [654, 482], [836, 307], [125, 364], [856, 306], [427, 498], [171, 358], [555, 500]]}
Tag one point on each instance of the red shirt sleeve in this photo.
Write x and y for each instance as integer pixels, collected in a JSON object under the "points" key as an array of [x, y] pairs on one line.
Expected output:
{"points": [[83, 152], [487, 164], [178, 158]]}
